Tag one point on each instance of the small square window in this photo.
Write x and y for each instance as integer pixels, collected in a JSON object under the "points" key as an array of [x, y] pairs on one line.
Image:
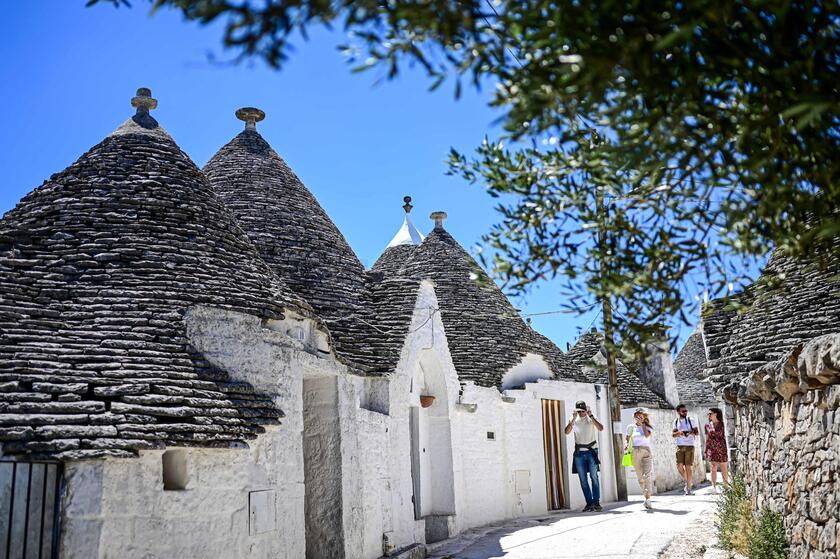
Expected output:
{"points": [[491, 435], [174, 464]]}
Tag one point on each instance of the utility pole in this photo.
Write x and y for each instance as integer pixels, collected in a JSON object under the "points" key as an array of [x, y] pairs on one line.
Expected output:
{"points": [[612, 370]]}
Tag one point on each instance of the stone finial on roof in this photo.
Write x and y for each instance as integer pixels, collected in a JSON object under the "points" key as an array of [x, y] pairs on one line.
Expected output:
{"points": [[438, 218], [143, 101], [407, 206], [250, 116]]}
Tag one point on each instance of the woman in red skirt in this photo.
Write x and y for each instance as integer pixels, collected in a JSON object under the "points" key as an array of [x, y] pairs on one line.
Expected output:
{"points": [[716, 451]]}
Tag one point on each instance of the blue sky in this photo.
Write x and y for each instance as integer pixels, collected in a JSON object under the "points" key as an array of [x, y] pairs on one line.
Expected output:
{"points": [[69, 72]]}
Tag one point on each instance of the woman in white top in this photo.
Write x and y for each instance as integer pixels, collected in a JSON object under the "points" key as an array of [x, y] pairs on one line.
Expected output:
{"points": [[641, 432]]}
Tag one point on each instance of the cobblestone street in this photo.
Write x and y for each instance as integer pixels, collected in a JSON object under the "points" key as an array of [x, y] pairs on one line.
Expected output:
{"points": [[621, 530]]}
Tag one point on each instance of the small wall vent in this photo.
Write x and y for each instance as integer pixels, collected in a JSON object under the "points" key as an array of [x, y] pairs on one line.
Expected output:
{"points": [[491, 435], [174, 464], [297, 333]]}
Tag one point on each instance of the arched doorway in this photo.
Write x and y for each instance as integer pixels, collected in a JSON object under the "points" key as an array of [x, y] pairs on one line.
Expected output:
{"points": [[431, 441]]}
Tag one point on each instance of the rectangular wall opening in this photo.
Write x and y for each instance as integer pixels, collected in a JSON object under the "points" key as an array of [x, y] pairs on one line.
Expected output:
{"points": [[322, 469], [174, 466]]}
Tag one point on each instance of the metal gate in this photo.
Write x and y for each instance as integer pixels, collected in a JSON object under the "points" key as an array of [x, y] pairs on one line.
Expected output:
{"points": [[30, 495]]}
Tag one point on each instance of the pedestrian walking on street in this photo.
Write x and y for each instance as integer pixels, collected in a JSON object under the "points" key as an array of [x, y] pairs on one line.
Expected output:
{"points": [[637, 439], [716, 451], [585, 459], [684, 432]]}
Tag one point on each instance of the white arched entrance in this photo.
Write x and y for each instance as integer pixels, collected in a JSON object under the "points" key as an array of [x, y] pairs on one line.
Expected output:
{"points": [[431, 441]]}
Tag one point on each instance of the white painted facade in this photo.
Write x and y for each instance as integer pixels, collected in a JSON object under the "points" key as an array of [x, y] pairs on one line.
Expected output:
{"points": [[486, 469], [119, 508], [357, 467]]}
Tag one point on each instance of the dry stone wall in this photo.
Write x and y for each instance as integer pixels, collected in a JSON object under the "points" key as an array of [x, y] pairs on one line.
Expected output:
{"points": [[789, 453], [787, 444]]}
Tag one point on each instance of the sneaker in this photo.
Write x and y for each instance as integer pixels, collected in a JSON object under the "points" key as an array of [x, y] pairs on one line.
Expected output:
{"points": [[686, 490], [597, 507], [689, 492], [647, 504], [587, 508], [713, 491]]}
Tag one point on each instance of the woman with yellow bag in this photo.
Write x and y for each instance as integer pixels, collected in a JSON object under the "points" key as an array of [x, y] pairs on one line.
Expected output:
{"points": [[637, 451]]}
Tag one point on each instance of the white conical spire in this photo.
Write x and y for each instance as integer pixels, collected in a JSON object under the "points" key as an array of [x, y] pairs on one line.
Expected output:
{"points": [[408, 233]]}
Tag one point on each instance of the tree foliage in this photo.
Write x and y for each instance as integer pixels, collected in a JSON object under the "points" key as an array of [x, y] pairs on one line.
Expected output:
{"points": [[684, 133]]}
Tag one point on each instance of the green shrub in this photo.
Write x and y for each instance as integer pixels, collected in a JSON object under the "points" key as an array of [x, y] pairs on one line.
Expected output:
{"points": [[734, 519], [767, 540], [739, 532]]}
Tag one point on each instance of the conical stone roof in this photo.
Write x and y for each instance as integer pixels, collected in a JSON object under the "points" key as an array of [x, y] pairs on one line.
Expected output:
{"points": [[392, 259], [485, 333], [97, 268], [803, 305], [632, 391], [296, 237], [689, 371]]}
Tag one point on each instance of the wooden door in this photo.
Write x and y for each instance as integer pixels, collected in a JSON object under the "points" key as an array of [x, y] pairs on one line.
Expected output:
{"points": [[553, 439]]}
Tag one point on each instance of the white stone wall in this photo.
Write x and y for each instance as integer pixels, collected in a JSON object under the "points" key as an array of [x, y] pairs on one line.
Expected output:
{"points": [[485, 469], [658, 371], [118, 508], [597, 398], [375, 438], [482, 469], [323, 473], [531, 368], [424, 360]]}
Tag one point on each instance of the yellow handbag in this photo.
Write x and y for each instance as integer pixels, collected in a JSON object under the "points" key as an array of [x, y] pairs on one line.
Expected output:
{"points": [[628, 456]]}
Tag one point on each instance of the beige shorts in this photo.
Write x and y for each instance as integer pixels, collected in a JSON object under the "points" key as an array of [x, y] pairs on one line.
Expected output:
{"points": [[685, 455]]}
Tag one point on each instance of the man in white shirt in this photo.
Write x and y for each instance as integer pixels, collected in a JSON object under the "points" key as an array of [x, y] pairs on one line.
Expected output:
{"points": [[585, 459], [684, 432]]}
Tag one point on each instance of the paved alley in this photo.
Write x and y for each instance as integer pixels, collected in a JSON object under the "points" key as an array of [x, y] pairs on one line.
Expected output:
{"points": [[621, 530]]}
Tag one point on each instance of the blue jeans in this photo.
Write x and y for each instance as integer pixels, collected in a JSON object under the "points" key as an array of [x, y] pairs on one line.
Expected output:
{"points": [[585, 464]]}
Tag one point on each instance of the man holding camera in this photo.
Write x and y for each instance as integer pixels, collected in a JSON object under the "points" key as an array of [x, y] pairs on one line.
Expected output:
{"points": [[684, 432], [585, 458]]}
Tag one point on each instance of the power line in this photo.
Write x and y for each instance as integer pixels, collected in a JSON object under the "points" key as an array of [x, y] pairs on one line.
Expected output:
{"points": [[562, 311]]}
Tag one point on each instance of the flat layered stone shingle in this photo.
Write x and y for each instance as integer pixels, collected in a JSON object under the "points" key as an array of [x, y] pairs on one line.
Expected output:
{"points": [[299, 241], [689, 371], [485, 333], [392, 259], [748, 348], [97, 267], [631, 389]]}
